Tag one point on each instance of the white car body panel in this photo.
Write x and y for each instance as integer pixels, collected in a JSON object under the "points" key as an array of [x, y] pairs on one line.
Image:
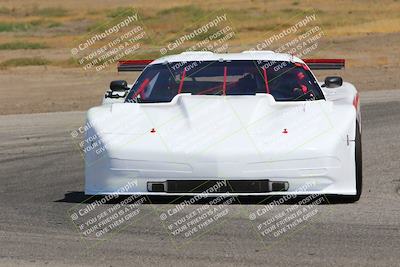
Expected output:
{"points": [[196, 137]]}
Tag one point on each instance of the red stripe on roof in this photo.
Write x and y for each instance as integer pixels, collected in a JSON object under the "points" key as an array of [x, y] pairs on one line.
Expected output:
{"points": [[141, 88], [266, 80], [181, 82], [224, 85]]}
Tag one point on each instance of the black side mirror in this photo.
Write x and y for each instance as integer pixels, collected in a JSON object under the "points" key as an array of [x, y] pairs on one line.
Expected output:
{"points": [[333, 81], [119, 85]]}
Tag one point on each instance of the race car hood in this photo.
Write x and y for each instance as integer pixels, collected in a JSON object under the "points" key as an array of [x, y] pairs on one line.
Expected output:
{"points": [[211, 128]]}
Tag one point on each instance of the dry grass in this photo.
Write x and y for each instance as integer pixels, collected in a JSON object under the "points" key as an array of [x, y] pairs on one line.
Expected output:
{"points": [[63, 24], [15, 45], [21, 62]]}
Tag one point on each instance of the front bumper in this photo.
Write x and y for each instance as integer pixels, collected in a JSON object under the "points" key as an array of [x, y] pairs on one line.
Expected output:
{"points": [[323, 175]]}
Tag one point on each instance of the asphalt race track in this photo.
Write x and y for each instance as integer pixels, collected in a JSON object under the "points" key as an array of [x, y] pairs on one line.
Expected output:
{"points": [[42, 178]]}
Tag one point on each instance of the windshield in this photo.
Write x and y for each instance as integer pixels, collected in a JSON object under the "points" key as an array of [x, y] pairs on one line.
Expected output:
{"points": [[285, 81]]}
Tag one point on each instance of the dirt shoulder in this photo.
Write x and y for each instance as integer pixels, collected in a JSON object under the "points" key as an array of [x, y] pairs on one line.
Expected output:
{"points": [[46, 89]]}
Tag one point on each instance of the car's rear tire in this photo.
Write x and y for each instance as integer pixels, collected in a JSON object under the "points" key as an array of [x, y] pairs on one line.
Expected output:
{"points": [[358, 158]]}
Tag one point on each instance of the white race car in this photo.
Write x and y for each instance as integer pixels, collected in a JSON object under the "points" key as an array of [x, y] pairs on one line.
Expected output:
{"points": [[255, 123]]}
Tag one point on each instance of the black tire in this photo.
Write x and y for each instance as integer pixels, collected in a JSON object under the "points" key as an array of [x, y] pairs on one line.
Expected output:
{"points": [[358, 157]]}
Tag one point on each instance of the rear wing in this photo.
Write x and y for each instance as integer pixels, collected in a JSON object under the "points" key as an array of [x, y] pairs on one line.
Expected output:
{"points": [[312, 63], [325, 64], [133, 65]]}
